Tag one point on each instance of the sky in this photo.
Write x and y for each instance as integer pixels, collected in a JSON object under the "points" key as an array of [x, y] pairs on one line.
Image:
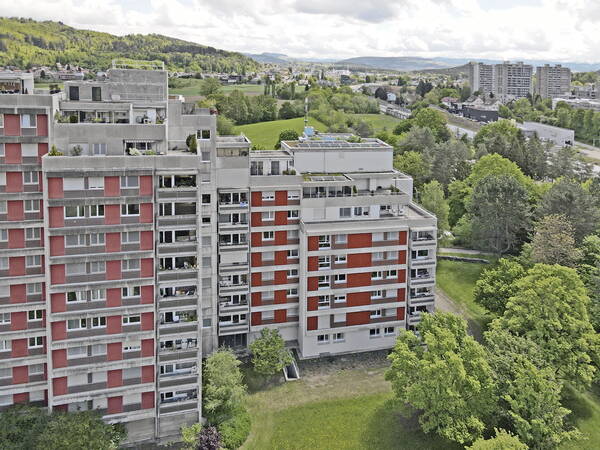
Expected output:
{"points": [[556, 30]]}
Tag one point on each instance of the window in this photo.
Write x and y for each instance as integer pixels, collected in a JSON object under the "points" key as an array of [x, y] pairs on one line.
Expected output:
{"points": [[36, 369], [293, 235], [345, 212], [6, 373], [132, 209], [76, 296], [340, 298], [75, 240], [34, 288], [97, 267], [292, 253], [98, 322], [323, 339], [377, 294], [293, 195], [33, 261], [388, 331], [293, 214], [96, 210], [341, 259], [98, 294], [203, 134], [74, 212], [31, 178], [324, 262], [130, 291], [95, 183], [268, 196], [376, 314], [96, 93], [338, 337], [5, 345], [374, 332], [76, 324], [292, 292], [361, 211], [4, 318], [130, 182], [341, 238], [420, 254], [32, 206], [268, 256], [323, 282], [28, 120], [97, 239], [132, 348], [130, 237], [4, 263], [391, 274], [2, 206], [3, 235], [324, 302], [339, 278], [292, 273], [378, 256], [268, 235], [99, 148], [205, 199], [130, 264], [129, 320], [268, 216], [324, 242], [32, 234], [377, 275], [35, 315], [34, 342]]}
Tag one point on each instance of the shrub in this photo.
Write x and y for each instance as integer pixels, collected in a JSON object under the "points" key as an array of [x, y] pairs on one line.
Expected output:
{"points": [[76, 150], [55, 152], [235, 430], [192, 143]]}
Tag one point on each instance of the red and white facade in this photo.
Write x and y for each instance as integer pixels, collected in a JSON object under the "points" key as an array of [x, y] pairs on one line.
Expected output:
{"points": [[127, 260]]}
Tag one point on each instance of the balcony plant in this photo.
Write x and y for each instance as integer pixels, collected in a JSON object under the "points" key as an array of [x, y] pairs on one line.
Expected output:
{"points": [[55, 152], [76, 150]]}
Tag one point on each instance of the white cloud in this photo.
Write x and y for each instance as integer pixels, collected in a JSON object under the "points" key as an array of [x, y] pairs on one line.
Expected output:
{"points": [[538, 29]]}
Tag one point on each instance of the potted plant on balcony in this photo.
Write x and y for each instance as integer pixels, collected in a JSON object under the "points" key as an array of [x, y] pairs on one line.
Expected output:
{"points": [[76, 150]]}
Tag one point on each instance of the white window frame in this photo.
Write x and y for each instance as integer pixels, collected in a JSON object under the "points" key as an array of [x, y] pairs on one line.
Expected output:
{"points": [[96, 210], [31, 206], [268, 236], [98, 322], [35, 315], [31, 177], [125, 210], [38, 341], [322, 339], [130, 182], [35, 231], [32, 261]]}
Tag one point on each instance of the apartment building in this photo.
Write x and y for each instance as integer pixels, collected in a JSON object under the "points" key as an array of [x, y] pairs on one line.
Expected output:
{"points": [[128, 259], [553, 81], [505, 81]]}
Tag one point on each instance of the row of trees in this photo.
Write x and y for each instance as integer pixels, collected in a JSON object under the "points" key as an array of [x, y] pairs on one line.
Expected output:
{"points": [[539, 344]]}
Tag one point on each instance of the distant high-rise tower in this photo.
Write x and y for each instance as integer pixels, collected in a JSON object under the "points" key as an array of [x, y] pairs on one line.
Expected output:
{"points": [[552, 81]]}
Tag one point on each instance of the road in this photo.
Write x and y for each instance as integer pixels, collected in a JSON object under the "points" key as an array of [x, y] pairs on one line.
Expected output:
{"points": [[459, 131]]}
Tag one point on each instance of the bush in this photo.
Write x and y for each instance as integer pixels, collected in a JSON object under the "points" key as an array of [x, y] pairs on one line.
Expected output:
{"points": [[235, 430], [192, 143]]}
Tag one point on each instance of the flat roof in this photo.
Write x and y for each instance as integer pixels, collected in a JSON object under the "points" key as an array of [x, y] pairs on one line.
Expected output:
{"points": [[316, 144]]}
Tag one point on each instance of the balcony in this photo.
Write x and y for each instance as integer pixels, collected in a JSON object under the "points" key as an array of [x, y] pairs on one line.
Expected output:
{"points": [[86, 387], [177, 379], [166, 355], [173, 406]]}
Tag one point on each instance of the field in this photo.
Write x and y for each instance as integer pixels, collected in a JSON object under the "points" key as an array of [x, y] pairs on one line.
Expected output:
{"points": [[191, 87], [380, 122], [264, 134]]}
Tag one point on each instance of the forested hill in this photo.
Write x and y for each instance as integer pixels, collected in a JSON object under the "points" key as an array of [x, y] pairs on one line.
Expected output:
{"points": [[26, 42]]}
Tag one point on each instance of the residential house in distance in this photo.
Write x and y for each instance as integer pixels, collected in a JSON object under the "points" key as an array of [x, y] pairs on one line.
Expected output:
{"points": [[553, 81], [128, 259]]}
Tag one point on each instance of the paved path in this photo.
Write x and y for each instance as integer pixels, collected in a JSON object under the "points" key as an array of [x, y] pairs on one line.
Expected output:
{"points": [[462, 251], [446, 304]]}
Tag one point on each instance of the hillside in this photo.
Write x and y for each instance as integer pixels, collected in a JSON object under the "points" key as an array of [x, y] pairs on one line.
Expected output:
{"points": [[26, 42], [400, 63], [448, 70]]}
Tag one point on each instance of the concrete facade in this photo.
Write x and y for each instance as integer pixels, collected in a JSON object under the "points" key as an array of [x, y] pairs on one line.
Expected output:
{"points": [[553, 81], [147, 257]]}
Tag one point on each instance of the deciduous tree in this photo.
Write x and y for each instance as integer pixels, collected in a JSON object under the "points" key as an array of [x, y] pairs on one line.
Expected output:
{"points": [[497, 284], [432, 199], [553, 242], [502, 441], [269, 354], [210, 86]]}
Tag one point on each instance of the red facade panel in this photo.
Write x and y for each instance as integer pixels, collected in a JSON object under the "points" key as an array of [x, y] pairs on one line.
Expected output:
{"points": [[255, 197], [147, 321], [18, 321], [402, 276], [256, 279], [148, 347], [358, 299], [114, 378], [256, 219], [255, 259], [18, 293], [358, 318], [59, 330], [146, 213], [15, 210], [403, 237], [280, 314], [113, 325], [16, 238], [281, 198], [23, 397], [114, 405], [281, 218], [57, 245], [313, 263], [59, 358], [359, 279], [112, 213], [311, 323], [359, 240], [146, 185], [147, 294], [312, 303], [16, 266], [147, 268], [42, 125], [146, 240], [312, 283], [112, 186], [113, 242], [12, 125], [313, 243], [359, 260], [114, 351], [256, 319], [147, 374], [57, 274], [402, 257], [147, 400], [12, 153], [59, 385], [58, 302], [400, 313], [280, 297], [281, 258], [42, 149], [55, 188], [14, 182], [280, 237], [19, 348], [113, 297], [256, 239], [113, 270], [20, 374]]}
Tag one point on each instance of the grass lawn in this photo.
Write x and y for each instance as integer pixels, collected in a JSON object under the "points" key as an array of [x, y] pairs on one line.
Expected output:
{"points": [[348, 409], [191, 87], [585, 414], [265, 134], [380, 122], [457, 279]]}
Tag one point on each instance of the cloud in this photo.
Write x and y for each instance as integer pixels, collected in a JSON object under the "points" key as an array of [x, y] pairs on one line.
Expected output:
{"points": [[560, 30]]}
